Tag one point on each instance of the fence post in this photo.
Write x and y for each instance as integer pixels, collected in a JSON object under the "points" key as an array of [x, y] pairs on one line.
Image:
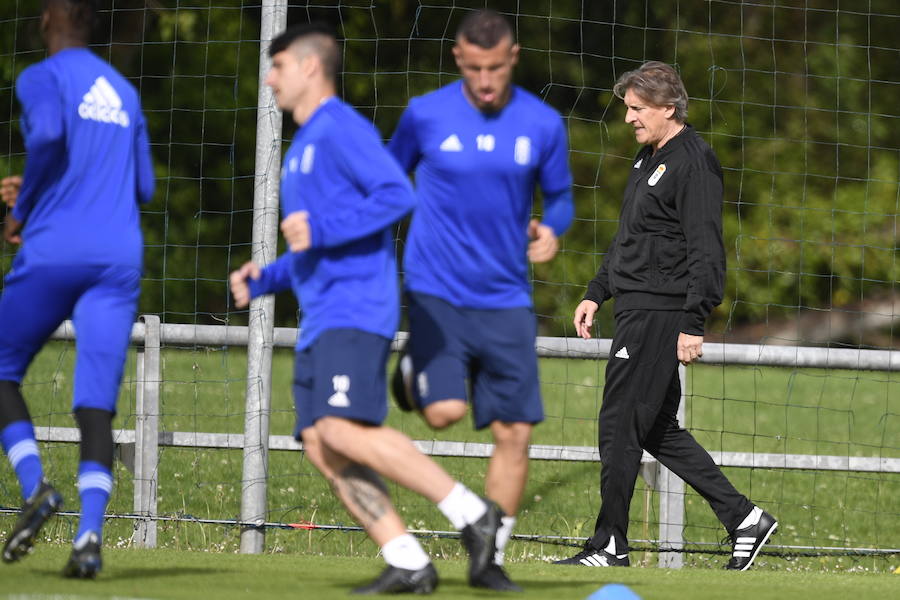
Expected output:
{"points": [[262, 310], [671, 502], [146, 433]]}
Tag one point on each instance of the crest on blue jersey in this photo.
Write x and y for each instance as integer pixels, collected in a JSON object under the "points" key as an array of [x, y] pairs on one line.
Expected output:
{"points": [[306, 161], [522, 151]]}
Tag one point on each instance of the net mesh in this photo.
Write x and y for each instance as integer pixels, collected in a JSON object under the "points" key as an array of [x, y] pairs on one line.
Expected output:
{"points": [[797, 100]]}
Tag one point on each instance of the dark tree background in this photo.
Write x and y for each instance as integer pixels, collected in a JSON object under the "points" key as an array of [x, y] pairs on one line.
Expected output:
{"points": [[798, 99]]}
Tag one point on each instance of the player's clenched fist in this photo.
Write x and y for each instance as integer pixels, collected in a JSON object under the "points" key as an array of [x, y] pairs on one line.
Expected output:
{"points": [[239, 287], [544, 244], [295, 228], [584, 318], [9, 189], [11, 229]]}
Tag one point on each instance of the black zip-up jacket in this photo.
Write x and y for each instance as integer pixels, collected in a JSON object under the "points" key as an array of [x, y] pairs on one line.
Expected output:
{"points": [[667, 253]]}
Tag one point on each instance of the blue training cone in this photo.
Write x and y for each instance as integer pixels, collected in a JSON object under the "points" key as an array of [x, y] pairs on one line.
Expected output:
{"points": [[614, 591]]}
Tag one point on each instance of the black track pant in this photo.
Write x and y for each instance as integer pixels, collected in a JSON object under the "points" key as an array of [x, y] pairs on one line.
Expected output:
{"points": [[640, 403]]}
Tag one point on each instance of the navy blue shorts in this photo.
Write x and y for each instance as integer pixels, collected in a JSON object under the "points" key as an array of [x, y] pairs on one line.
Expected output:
{"points": [[491, 349], [341, 374], [101, 301]]}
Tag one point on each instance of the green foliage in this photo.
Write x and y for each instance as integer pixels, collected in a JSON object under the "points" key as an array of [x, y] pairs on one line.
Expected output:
{"points": [[797, 102]]}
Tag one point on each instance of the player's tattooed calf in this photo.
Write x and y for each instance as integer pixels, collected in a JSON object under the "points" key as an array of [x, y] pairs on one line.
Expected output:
{"points": [[365, 494]]}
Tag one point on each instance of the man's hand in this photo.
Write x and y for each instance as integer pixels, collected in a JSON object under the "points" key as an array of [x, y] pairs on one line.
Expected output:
{"points": [[584, 318], [11, 228], [295, 228], [238, 280], [543, 244], [690, 347], [9, 189]]}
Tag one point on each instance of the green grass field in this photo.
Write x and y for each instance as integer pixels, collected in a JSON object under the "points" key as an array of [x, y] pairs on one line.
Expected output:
{"points": [[730, 408], [179, 574]]}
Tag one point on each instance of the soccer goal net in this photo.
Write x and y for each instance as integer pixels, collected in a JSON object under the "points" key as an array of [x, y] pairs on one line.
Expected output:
{"points": [[798, 400]]}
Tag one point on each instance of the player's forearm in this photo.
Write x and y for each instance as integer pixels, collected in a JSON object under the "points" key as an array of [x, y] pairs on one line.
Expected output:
{"points": [[40, 168], [559, 210], [146, 182], [45, 146], [386, 205], [274, 277]]}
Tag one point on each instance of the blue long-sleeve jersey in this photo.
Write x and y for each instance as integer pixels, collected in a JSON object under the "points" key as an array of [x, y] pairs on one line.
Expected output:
{"points": [[88, 163], [475, 177], [338, 171]]}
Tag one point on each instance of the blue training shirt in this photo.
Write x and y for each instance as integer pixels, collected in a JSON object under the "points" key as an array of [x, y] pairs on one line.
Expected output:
{"points": [[88, 163], [338, 171], [475, 176]]}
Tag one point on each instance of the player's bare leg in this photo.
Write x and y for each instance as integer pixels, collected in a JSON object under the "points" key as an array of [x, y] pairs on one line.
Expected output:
{"points": [[392, 454], [389, 453], [507, 475], [508, 468], [365, 496], [312, 448], [444, 413]]}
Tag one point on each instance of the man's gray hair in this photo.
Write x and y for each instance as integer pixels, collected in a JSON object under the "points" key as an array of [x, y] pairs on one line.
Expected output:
{"points": [[657, 83]]}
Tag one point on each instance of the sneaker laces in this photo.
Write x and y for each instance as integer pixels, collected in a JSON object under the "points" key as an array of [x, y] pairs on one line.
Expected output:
{"points": [[729, 540], [588, 550]]}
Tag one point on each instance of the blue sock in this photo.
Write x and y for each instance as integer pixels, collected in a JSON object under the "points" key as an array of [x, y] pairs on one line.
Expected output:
{"points": [[22, 450], [94, 486]]}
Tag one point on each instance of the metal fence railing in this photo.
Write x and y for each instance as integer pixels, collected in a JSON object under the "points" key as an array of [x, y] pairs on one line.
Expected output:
{"points": [[139, 447]]}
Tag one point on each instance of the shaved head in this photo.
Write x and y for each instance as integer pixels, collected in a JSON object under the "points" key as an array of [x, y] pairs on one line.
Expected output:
{"points": [[485, 28], [310, 39]]}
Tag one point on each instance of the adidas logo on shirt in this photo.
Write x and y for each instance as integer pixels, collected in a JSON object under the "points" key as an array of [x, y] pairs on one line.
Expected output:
{"points": [[452, 144], [103, 104], [622, 353]]}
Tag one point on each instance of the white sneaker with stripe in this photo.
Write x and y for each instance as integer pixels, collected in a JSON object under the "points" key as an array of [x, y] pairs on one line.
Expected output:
{"points": [[747, 541], [590, 557]]}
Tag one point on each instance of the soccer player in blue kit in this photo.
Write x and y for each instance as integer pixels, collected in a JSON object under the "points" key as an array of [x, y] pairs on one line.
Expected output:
{"points": [[478, 147], [88, 167], [341, 193]]}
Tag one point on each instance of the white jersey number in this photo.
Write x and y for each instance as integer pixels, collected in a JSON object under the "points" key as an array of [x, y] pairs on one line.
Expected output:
{"points": [[485, 142]]}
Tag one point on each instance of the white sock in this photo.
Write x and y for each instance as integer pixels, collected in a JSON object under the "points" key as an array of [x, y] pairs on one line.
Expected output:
{"points": [[462, 506], [506, 526], [84, 539], [404, 552], [611, 546], [752, 518]]}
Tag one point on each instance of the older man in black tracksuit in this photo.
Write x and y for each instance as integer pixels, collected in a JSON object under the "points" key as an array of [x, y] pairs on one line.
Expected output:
{"points": [[665, 268]]}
